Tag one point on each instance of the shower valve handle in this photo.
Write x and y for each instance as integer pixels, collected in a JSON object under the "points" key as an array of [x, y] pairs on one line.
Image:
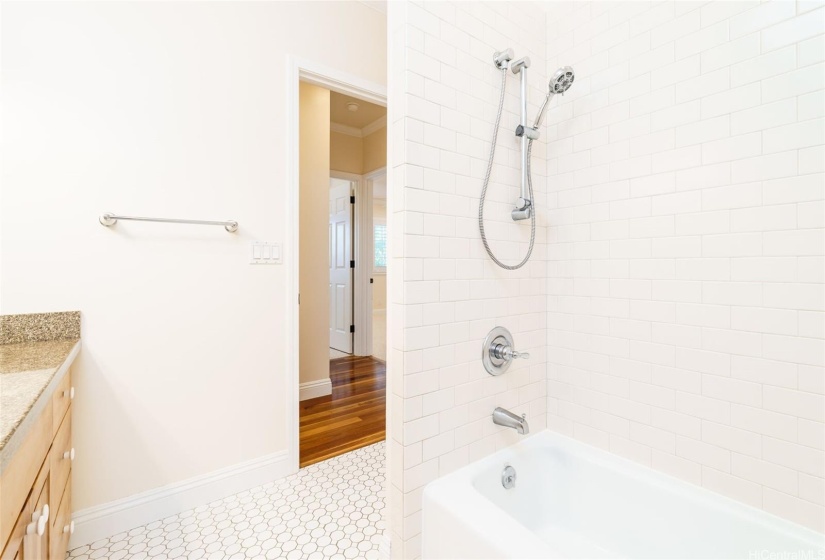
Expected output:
{"points": [[498, 352], [516, 355], [504, 352]]}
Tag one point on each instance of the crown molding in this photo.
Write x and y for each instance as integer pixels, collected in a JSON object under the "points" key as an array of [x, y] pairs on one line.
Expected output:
{"points": [[344, 129], [377, 124], [374, 125]]}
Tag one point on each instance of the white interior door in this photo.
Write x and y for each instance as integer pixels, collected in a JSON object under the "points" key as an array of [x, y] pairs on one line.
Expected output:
{"points": [[340, 271]]}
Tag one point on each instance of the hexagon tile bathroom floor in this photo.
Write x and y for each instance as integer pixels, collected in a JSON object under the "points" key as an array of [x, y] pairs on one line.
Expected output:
{"points": [[332, 509]]}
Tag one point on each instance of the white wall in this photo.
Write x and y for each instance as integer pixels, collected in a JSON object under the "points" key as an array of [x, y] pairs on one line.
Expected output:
{"points": [[444, 292], [685, 251], [161, 109]]}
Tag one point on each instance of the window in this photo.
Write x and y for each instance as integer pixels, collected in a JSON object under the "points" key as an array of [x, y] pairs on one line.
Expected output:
{"points": [[379, 236]]}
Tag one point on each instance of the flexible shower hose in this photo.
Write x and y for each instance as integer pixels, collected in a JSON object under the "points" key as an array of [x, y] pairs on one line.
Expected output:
{"points": [[487, 182]]}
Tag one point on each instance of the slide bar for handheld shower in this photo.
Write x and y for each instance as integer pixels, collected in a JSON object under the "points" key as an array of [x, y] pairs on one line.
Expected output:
{"points": [[523, 78], [524, 205]]}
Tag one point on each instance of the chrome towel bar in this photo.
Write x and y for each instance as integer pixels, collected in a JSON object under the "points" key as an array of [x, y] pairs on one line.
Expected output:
{"points": [[109, 219]]}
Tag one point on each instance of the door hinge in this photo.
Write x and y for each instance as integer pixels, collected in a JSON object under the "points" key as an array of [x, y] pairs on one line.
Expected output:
{"points": [[352, 199], [352, 328], [299, 299], [371, 280], [352, 264]]}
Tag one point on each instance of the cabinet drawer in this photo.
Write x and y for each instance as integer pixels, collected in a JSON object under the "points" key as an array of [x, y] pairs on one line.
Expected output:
{"points": [[22, 471], [62, 529], [61, 400], [19, 545], [60, 457]]}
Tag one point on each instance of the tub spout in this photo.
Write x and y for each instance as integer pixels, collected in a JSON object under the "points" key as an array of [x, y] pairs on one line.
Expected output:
{"points": [[506, 418]]}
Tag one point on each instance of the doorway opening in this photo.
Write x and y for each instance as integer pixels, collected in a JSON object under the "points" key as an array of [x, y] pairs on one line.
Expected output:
{"points": [[342, 272]]}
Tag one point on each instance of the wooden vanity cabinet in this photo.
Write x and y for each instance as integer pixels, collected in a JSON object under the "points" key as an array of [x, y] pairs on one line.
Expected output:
{"points": [[27, 542], [35, 508]]}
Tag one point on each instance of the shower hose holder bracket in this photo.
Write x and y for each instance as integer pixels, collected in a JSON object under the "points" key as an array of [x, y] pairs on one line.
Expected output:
{"points": [[528, 131], [523, 210]]}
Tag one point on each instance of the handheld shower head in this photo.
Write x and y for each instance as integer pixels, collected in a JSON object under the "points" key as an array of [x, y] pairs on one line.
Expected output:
{"points": [[559, 83], [562, 80]]}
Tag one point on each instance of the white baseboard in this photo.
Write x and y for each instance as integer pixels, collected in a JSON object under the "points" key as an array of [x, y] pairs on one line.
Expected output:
{"points": [[115, 517], [312, 389]]}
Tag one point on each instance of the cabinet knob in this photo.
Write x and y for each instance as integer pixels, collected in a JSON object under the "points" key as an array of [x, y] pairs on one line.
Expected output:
{"points": [[69, 528], [39, 521], [69, 454], [69, 393]]}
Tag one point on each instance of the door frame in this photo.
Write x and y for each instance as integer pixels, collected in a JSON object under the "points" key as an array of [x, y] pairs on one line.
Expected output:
{"points": [[301, 70]]}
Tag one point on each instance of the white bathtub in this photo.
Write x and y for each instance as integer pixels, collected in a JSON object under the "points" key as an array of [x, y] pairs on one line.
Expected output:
{"points": [[572, 500]]}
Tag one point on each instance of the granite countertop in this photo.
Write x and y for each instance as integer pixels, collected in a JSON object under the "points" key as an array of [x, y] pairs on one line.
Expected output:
{"points": [[36, 351], [26, 369]]}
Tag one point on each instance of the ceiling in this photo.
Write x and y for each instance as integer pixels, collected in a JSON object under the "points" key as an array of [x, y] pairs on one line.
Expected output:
{"points": [[367, 112]]}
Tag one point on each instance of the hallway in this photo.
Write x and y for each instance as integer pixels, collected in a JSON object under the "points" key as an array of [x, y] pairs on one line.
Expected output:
{"points": [[352, 417]]}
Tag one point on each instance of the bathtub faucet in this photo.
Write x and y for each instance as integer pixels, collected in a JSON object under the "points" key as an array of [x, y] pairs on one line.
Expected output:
{"points": [[506, 418]]}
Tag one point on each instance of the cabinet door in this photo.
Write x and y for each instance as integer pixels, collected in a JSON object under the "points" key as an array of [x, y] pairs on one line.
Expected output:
{"points": [[30, 536], [14, 546], [29, 539]]}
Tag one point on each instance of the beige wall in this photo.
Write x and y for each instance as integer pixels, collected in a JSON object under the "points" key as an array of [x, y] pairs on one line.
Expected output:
{"points": [[314, 149], [375, 150], [358, 155], [183, 367], [379, 291], [346, 152]]}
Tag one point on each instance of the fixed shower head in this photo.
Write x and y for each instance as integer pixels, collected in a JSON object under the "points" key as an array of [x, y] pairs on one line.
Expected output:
{"points": [[559, 83], [562, 80]]}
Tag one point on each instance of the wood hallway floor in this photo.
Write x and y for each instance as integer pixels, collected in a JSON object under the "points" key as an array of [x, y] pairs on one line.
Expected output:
{"points": [[353, 416]]}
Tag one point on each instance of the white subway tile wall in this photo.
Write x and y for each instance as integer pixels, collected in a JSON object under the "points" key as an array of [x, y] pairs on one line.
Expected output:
{"points": [[444, 292], [685, 242]]}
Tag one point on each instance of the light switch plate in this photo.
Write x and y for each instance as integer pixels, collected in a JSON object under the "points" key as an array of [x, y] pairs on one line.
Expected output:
{"points": [[264, 252]]}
